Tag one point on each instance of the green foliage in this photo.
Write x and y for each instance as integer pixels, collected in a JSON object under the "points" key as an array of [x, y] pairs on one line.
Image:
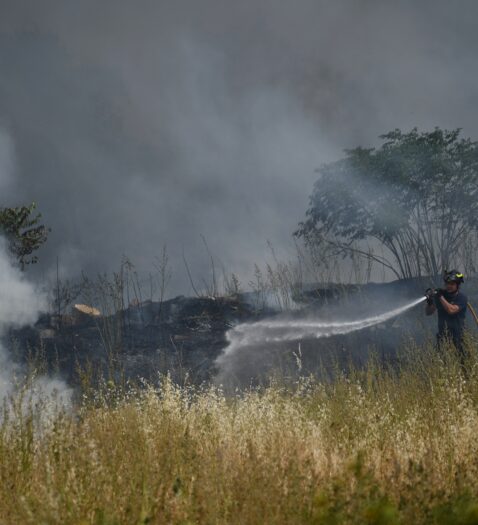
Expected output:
{"points": [[416, 195], [460, 511], [24, 232]]}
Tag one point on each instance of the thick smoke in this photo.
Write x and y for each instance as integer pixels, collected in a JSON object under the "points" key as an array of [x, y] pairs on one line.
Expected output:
{"points": [[7, 160], [21, 302], [143, 123], [20, 305]]}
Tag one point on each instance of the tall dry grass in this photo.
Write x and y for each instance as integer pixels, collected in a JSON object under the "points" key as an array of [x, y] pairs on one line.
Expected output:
{"points": [[376, 446]]}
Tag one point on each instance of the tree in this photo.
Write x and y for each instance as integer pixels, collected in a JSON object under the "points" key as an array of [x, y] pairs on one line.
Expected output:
{"points": [[415, 197], [23, 231]]}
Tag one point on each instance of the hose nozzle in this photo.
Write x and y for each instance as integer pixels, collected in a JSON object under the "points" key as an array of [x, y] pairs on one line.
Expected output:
{"points": [[430, 295]]}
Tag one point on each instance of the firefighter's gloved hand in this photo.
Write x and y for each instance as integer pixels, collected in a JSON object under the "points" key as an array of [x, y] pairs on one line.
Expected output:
{"points": [[429, 296], [439, 292]]}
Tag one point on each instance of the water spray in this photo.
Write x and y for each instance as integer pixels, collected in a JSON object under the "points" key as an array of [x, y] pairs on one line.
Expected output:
{"points": [[276, 330]]}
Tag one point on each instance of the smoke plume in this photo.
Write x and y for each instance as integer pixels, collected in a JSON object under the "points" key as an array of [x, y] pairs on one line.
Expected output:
{"points": [[137, 124], [21, 302], [20, 305]]}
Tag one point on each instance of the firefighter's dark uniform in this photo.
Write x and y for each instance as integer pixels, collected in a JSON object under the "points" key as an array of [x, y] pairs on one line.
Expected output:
{"points": [[452, 326]]}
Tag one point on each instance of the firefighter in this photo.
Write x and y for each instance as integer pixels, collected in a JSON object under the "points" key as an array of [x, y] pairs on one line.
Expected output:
{"points": [[451, 305]]}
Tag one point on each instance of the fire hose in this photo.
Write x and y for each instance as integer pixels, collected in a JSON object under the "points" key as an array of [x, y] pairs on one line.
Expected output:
{"points": [[473, 313]]}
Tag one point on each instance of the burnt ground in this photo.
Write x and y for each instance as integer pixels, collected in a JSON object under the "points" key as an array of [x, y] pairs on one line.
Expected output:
{"points": [[184, 336]]}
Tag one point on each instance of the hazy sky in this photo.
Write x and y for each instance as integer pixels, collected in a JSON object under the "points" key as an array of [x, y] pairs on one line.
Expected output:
{"points": [[135, 124]]}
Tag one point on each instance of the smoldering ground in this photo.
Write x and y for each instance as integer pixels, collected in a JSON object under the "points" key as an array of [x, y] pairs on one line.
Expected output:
{"points": [[139, 124]]}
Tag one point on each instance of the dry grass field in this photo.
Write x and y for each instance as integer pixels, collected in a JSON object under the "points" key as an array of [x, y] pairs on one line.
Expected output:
{"points": [[376, 446]]}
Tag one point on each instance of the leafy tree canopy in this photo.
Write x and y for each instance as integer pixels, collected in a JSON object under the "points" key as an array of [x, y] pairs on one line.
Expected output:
{"points": [[416, 195], [23, 231]]}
